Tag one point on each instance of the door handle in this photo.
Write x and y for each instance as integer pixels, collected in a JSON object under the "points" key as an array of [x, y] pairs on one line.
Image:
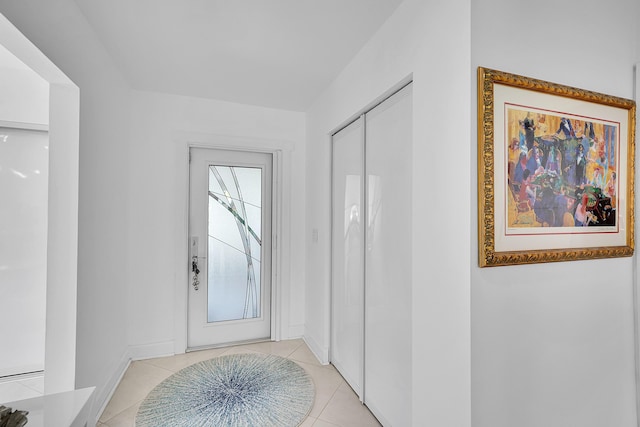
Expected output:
{"points": [[195, 270], [194, 262]]}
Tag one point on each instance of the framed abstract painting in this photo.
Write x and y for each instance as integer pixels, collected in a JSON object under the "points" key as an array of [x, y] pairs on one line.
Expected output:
{"points": [[555, 172]]}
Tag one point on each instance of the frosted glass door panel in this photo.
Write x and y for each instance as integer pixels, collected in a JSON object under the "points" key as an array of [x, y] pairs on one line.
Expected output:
{"points": [[387, 378], [235, 206], [348, 254], [24, 171]]}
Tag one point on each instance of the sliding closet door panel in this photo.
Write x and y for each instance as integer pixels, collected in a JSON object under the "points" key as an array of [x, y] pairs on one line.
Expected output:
{"points": [[387, 382], [347, 315]]}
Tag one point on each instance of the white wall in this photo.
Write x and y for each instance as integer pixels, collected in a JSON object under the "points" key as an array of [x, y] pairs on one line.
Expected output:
{"points": [[431, 41], [161, 126], [60, 31], [25, 95], [553, 344]]}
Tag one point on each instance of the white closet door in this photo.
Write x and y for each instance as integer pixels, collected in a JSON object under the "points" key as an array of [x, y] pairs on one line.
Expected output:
{"points": [[24, 186], [347, 317], [387, 377]]}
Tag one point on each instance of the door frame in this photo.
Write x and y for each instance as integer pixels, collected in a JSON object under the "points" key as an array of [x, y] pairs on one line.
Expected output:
{"points": [[280, 232]]}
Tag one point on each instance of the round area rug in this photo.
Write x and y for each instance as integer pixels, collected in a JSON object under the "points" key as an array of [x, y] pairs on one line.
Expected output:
{"points": [[231, 391]]}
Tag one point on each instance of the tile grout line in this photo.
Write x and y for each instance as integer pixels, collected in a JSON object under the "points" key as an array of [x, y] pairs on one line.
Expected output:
{"points": [[32, 388], [121, 412], [325, 406], [145, 362]]}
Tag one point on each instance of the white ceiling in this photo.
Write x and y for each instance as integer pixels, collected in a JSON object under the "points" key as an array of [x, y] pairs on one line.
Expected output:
{"points": [[274, 53]]}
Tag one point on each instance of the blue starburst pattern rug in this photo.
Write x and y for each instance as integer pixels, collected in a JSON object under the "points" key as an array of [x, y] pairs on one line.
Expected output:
{"points": [[239, 390]]}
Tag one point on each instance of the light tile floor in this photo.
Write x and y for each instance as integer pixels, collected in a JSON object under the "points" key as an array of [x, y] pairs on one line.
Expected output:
{"points": [[335, 405], [24, 387]]}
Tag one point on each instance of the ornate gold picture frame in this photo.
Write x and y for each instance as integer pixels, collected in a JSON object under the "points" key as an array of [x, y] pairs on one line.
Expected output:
{"points": [[555, 172]]}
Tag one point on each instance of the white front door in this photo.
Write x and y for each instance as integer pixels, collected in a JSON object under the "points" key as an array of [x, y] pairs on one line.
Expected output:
{"points": [[230, 247]]}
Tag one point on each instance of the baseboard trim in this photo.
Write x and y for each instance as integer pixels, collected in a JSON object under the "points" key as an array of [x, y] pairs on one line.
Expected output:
{"points": [[102, 399], [150, 351], [21, 372], [134, 352], [321, 353]]}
